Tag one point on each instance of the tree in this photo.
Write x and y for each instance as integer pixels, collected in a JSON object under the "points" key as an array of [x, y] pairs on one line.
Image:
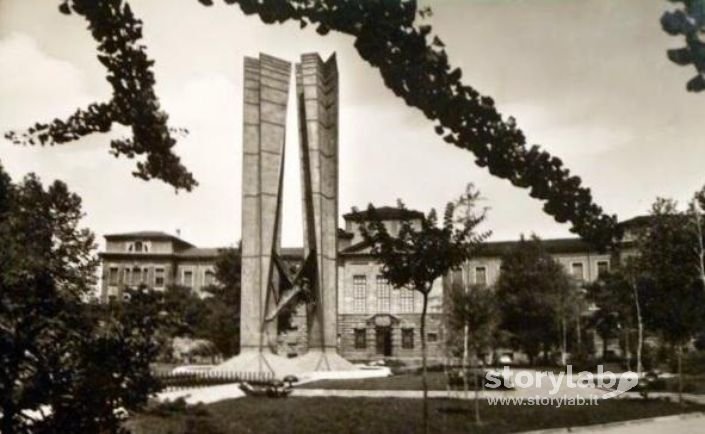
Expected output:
{"points": [[422, 252], [222, 324], [45, 267], [695, 208], [188, 311], [690, 23], [616, 295], [565, 300], [474, 311], [111, 366], [531, 288], [55, 350], [674, 299], [413, 64]]}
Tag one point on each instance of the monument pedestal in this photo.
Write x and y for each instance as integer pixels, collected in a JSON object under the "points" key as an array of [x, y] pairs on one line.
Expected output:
{"points": [[251, 360]]}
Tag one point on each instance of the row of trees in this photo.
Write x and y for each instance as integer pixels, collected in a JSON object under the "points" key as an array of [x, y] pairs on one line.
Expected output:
{"points": [[659, 291], [655, 289]]}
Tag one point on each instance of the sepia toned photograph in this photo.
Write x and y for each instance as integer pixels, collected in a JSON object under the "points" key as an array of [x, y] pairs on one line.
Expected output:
{"points": [[352, 216]]}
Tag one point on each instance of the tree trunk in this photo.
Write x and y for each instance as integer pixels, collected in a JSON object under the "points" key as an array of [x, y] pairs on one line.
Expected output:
{"points": [[477, 394], [424, 380], [579, 335], [465, 361], [627, 349], [640, 331], [680, 374], [564, 342], [701, 247]]}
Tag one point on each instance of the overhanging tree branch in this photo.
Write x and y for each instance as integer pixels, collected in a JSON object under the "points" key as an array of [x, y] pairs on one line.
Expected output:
{"points": [[413, 64]]}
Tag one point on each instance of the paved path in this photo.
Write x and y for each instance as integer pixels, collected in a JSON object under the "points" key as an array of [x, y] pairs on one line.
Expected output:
{"points": [[676, 425], [693, 423]]}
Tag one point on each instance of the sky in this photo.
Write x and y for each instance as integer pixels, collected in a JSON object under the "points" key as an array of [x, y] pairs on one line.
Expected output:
{"points": [[588, 80]]}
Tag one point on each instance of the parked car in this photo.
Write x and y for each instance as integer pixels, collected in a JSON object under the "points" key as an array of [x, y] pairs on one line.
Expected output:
{"points": [[504, 360]]}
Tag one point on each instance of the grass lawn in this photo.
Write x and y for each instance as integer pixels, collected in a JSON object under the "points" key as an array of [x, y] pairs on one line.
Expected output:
{"points": [[390, 415]]}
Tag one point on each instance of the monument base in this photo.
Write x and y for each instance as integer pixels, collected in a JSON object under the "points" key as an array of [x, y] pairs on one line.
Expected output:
{"points": [[315, 360]]}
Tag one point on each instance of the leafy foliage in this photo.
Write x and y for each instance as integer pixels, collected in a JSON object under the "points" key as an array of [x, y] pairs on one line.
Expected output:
{"points": [[55, 350], [222, 324], [112, 367], [423, 251], [529, 286], [689, 21], [478, 309], [674, 298], [413, 64], [134, 103]]}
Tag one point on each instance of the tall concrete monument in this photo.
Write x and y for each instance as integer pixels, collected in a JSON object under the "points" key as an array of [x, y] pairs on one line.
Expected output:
{"points": [[267, 286]]}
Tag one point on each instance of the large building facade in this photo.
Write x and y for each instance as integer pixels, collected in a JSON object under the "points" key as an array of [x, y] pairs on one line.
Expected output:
{"points": [[374, 320]]}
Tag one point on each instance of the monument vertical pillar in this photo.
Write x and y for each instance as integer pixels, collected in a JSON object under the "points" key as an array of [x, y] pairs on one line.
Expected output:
{"points": [[266, 92], [317, 94]]}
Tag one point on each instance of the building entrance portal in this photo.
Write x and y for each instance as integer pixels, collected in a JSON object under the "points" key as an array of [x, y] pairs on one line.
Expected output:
{"points": [[383, 337], [268, 288]]}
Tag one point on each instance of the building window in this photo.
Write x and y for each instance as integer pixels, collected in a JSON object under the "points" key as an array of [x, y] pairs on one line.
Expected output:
{"points": [[145, 276], [159, 277], [602, 268], [407, 339], [406, 300], [113, 275], [384, 295], [576, 269], [136, 276], [126, 276], [432, 337], [481, 276], [209, 278], [359, 293], [360, 339], [112, 293], [188, 278], [138, 247]]}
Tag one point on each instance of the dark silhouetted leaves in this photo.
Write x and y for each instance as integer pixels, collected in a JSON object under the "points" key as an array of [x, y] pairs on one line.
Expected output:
{"points": [[134, 102], [690, 23], [413, 65]]}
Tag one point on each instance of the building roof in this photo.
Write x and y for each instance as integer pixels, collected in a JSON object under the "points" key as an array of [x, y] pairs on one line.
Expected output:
{"points": [[499, 248], [385, 213], [554, 245], [359, 247], [199, 252], [637, 221], [149, 235], [644, 220]]}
